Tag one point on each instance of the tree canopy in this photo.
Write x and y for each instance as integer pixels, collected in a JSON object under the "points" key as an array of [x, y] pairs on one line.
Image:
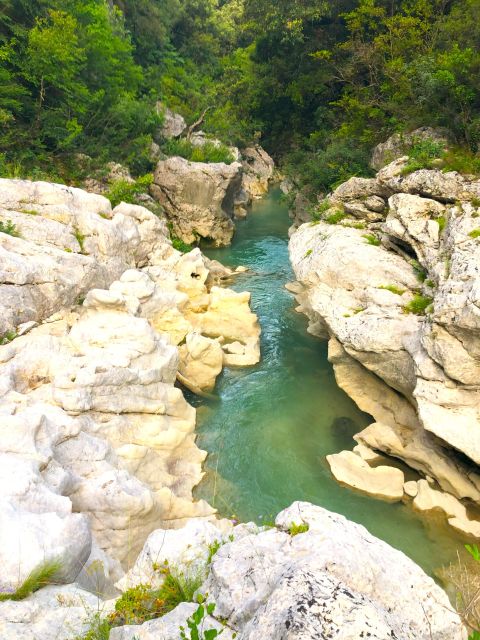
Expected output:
{"points": [[319, 82]]}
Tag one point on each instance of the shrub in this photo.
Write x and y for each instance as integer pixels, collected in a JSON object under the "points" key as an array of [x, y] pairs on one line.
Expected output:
{"points": [[318, 210], [9, 228], [41, 576], [125, 191], [461, 160], [475, 233], [142, 602], [441, 221], [180, 245], [418, 305], [371, 239], [208, 152], [464, 576], [422, 154]]}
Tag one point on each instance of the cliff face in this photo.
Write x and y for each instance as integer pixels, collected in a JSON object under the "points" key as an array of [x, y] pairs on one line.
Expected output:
{"points": [[390, 276], [97, 445]]}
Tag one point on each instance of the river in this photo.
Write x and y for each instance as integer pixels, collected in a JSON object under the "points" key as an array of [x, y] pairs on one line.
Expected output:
{"points": [[268, 434]]}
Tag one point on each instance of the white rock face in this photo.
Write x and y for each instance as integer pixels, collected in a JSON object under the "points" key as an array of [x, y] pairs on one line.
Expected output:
{"points": [[97, 445], [335, 579], [417, 375], [53, 613], [258, 171], [71, 241], [173, 123], [198, 198]]}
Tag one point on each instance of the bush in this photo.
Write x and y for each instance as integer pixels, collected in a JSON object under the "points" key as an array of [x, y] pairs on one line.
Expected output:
{"points": [[142, 603], [464, 576], [323, 170], [295, 529], [209, 152], [422, 154], [125, 191], [475, 233]]}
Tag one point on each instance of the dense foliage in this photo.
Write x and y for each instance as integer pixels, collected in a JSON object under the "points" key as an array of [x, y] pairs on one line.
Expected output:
{"points": [[319, 82]]}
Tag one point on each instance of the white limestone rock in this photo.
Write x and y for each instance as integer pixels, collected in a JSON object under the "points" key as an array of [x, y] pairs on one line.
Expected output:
{"points": [[382, 482], [198, 198], [334, 579]]}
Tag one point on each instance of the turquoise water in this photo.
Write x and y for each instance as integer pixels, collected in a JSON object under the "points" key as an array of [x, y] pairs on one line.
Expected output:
{"points": [[268, 434]]}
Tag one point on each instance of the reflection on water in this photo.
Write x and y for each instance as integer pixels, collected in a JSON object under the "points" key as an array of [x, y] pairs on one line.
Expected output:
{"points": [[268, 436]]}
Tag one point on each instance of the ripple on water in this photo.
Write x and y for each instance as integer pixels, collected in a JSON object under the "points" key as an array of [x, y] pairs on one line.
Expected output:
{"points": [[269, 433]]}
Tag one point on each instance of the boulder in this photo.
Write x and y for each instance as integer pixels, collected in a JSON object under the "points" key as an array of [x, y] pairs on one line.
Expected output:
{"points": [[201, 360], [334, 580], [198, 198], [70, 242], [414, 369], [173, 123], [399, 143]]}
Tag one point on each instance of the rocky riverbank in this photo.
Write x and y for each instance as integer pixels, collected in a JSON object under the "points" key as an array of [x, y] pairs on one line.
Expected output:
{"points": [[388, 273], [99, 317]]}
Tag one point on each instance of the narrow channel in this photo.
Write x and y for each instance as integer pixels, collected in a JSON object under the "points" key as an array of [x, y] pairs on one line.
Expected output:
{"points": [[268, 434]]}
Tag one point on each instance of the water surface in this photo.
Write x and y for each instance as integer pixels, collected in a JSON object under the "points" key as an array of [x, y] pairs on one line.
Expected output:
{"points": [[269, 433]]}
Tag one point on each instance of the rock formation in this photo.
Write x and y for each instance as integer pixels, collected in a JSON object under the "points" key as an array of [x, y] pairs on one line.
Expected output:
{"points": [[97, 445], [394, 287], [333, 579], [198, 198]]}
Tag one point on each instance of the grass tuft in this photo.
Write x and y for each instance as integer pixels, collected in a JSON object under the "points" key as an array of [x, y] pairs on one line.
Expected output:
{"points": [[41, 576], [393, 289]]}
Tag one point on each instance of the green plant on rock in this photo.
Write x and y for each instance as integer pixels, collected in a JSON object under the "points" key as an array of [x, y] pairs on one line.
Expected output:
{"points": [[475, 233], [143, 602], [371, 239], [335, 217], [295, 529], [420, 272], [208, 152], [393, 289], [442, 222], [308, 253], [7, 337], [126, 191], [212, 549], [9, 228], [475, 202], [98, 629], [40, 577], [422, 155], [317, 211], [80, 238], [418, 305], [196, 625]]}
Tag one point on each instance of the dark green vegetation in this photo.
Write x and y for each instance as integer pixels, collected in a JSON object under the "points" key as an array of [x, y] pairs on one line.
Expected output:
{"points": [[319, 83]]}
